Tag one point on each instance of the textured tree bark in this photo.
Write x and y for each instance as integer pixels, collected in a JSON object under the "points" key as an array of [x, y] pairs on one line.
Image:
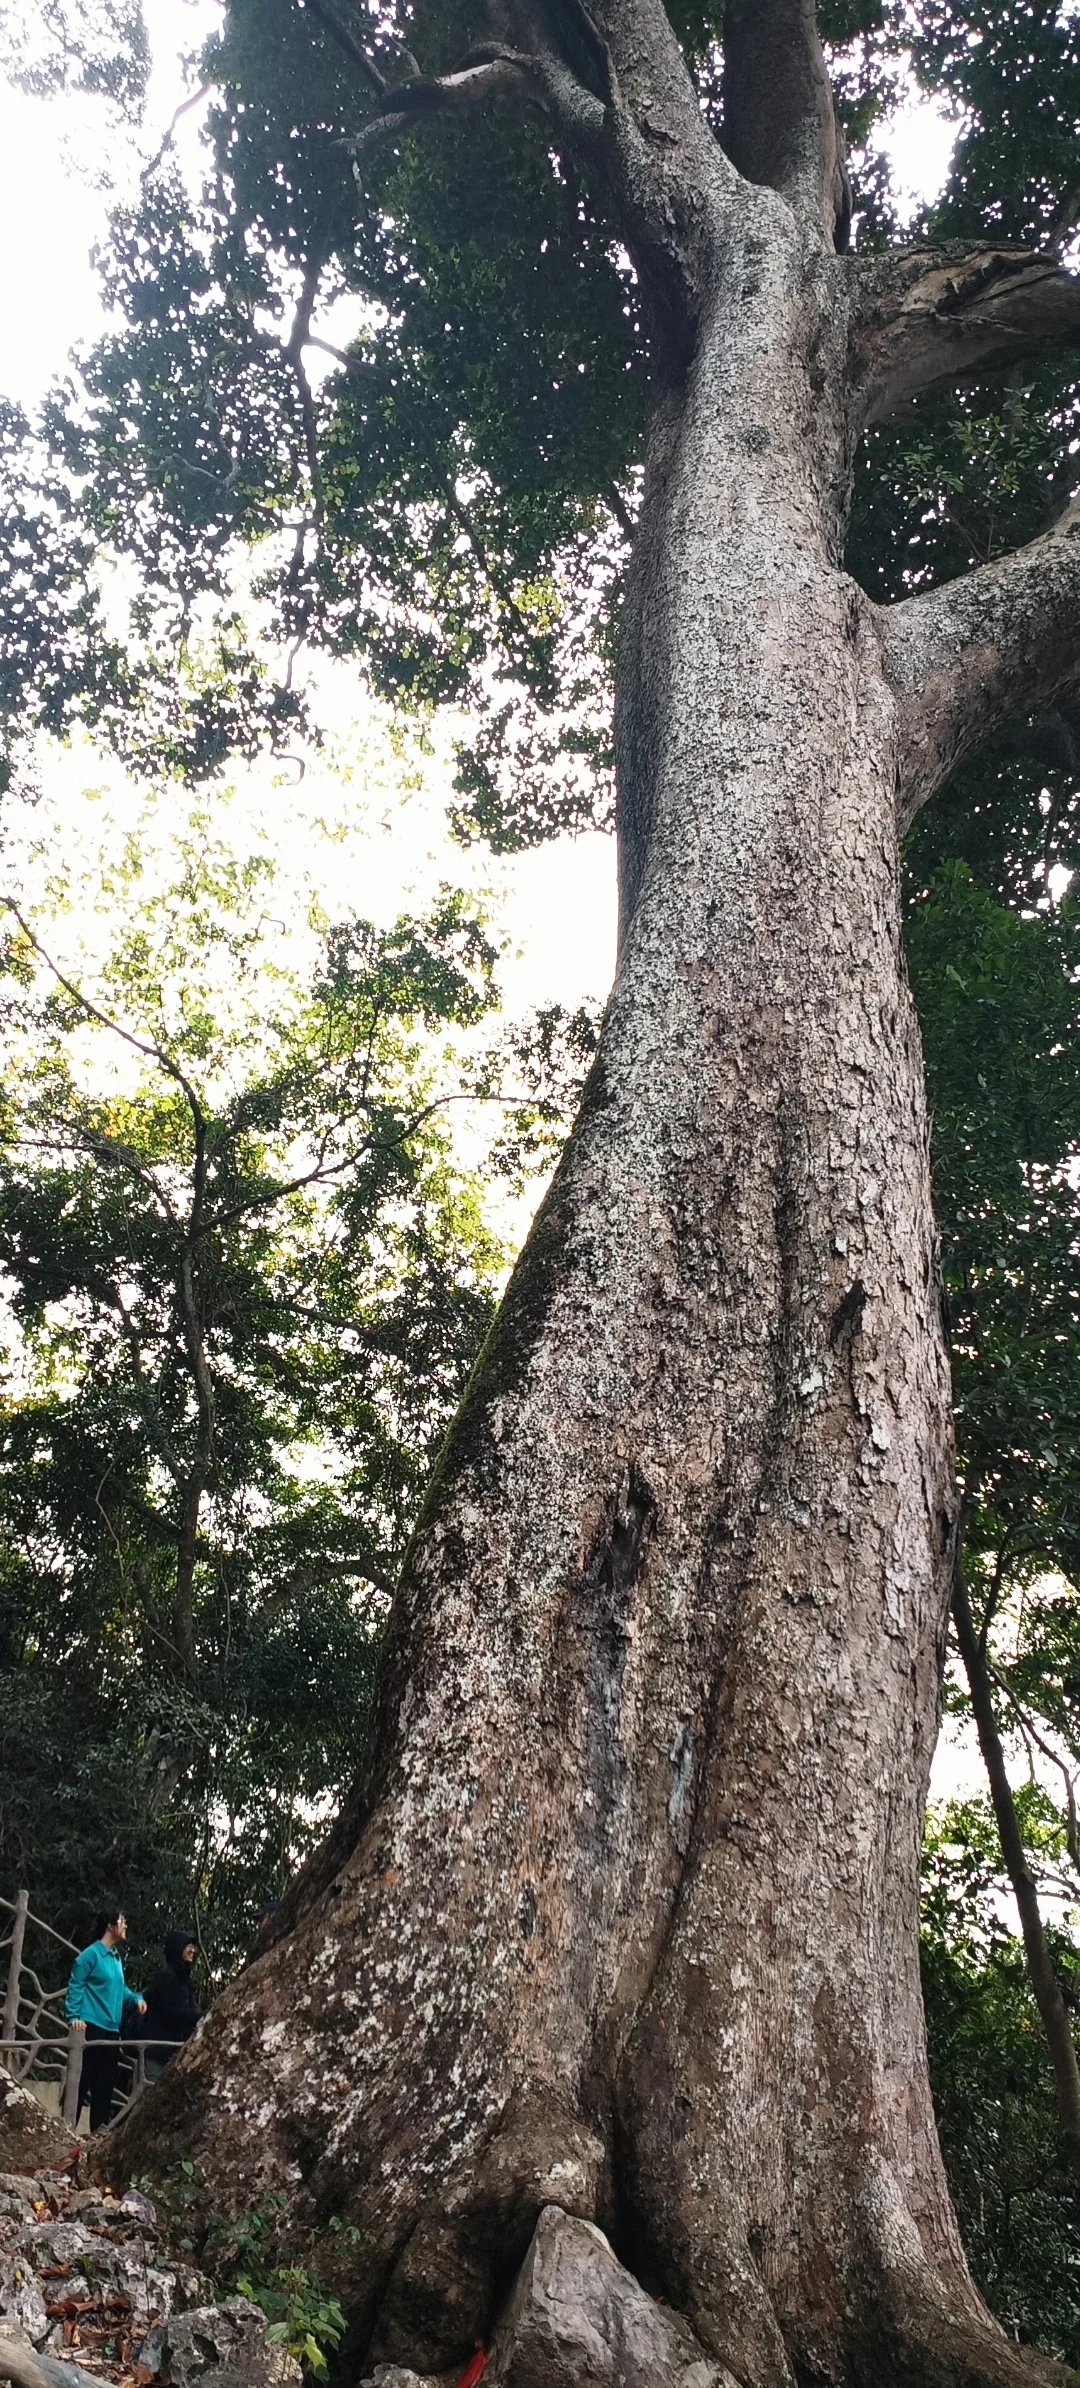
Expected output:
{"points": [[623, 1916]]}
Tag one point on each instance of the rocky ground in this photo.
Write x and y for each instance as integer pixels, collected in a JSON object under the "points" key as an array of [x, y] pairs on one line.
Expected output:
{"points": [[88, 2288], [28, 2136], [90, 2292]]}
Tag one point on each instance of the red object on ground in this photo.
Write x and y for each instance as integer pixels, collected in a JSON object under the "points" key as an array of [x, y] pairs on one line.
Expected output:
{"points": [[473, 2369]]}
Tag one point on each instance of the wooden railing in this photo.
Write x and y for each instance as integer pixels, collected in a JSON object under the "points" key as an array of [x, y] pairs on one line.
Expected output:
{"points": [[37, 2043]]}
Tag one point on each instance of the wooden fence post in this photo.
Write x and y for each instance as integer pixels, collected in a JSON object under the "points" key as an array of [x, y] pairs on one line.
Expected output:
{"points": [[11, 2001], [72, 2077]]}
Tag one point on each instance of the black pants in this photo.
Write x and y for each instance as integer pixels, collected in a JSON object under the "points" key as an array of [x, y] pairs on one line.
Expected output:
{"points": [[98, 2078]]}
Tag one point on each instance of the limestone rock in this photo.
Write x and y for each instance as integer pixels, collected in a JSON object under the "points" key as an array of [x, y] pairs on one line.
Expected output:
{"points": [[29, 2138], [218, 2346], [391, 2375], [21, 2300], [57, 2242], [124, 2270], [577, 2319], [137, 2208]]}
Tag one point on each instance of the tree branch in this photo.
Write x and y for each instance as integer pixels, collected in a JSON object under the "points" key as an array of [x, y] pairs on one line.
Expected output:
{"points": [[780, 124], [148, 1401], [192, 101], [304, 1579], [1044, 1981], [299, 338], [964, 657], [643, 128], [1023, 1715], [650, 79], [466, 87], [80, 1136], [346, 41], [930, 318], [139, 1044], [616, 505]]}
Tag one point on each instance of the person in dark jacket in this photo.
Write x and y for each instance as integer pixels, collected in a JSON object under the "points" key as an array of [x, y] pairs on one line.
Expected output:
{"points": [[171, 2008]]}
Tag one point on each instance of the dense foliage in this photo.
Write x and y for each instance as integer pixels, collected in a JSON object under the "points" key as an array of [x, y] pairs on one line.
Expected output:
{"points": [[245, 1283], [1015, 2190]]}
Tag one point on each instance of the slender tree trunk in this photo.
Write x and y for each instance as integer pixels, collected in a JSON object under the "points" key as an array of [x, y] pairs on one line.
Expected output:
{"points": [[624, 1913], [1044, 1981], [183, 1616]]}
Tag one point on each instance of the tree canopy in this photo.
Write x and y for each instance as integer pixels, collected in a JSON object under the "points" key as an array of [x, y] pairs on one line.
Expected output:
{"points": [[245, 1282]]}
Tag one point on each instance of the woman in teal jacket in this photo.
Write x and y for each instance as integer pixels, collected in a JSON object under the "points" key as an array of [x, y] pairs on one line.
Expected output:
{"points": [[98, 1999]]}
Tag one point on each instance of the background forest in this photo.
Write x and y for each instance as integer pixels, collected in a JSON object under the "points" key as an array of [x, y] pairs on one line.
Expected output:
{"points": [[252, 1211]]}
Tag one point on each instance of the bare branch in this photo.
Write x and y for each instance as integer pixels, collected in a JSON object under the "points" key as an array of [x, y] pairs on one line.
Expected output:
{"points": [[168, 137], [964, 657], [299, 338], [616, 505], [930, 318], [476, 79], [346, 41], [780, 124], [642, 127], [304, 1579]]}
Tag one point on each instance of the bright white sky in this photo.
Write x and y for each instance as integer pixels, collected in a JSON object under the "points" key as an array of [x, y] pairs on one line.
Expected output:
{"points": [[343, 830]]}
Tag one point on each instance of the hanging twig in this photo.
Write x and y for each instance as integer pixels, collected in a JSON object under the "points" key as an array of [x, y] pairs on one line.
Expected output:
{"points": [[192, 101]]}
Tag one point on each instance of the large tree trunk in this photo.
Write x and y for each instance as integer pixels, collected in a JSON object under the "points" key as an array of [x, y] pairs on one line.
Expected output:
{"points": [[624, 1916]]}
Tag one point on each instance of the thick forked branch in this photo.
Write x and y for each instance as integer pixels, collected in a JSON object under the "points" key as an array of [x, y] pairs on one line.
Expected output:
{"points": [[615, 68], [652, 84], [510, 73], [964, 657], [613, 81], [780, 125], [930, 318], [671, 182]]}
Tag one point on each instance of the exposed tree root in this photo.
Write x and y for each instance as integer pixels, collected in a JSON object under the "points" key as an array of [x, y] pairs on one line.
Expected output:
{"points": [[466, 2249], [575, 2317], [935, 2334]]}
